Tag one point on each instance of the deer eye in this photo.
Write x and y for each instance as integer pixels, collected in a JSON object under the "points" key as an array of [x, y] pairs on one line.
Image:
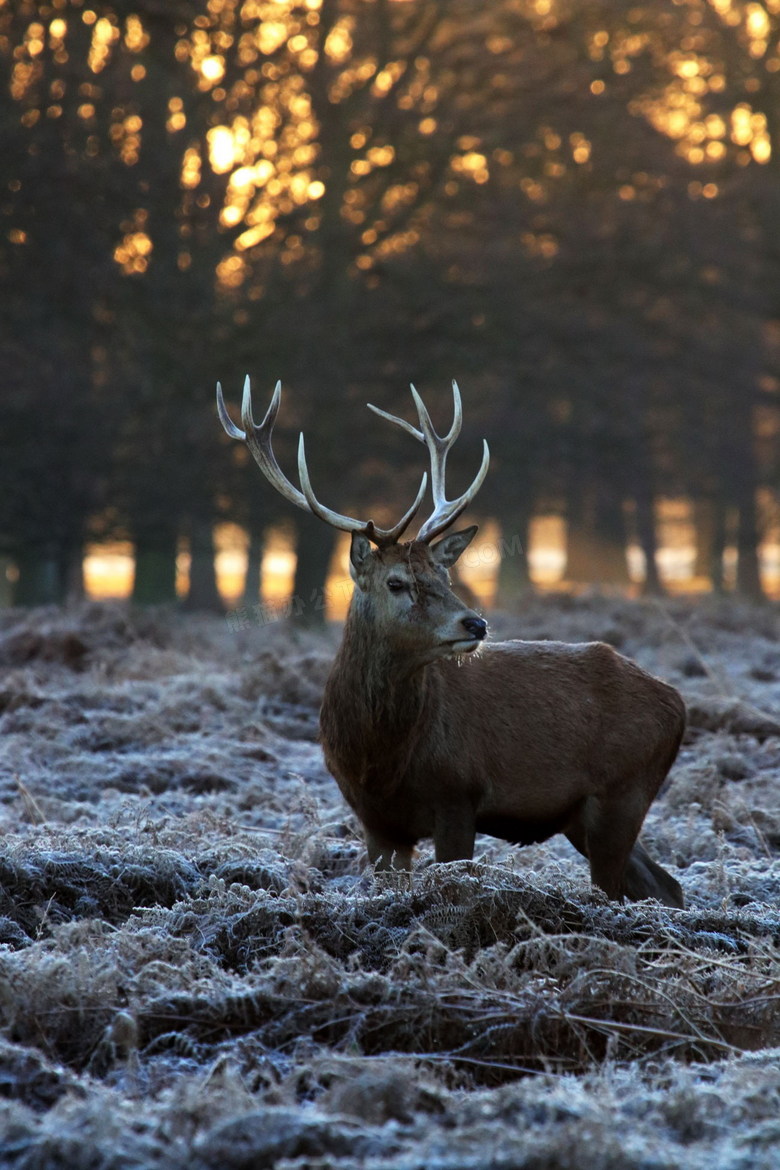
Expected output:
{"points": [[396, 585]]}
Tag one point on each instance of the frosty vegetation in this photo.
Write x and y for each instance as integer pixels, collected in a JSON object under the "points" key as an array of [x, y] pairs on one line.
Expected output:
{"points": [[197, 968]]}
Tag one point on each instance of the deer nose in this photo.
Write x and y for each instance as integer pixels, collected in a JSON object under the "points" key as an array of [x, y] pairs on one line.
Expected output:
{"points": [[475, 626]]}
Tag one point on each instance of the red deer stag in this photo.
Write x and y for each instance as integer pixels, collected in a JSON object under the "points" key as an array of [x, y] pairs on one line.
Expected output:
{"points": [[527, 740]]}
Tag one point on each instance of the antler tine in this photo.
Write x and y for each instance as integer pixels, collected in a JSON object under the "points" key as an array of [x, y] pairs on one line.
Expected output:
{"points": [[225, 418], [401, 422], [346, 523], [427, 435], [445, 512], [258, 440], [396, 533]]}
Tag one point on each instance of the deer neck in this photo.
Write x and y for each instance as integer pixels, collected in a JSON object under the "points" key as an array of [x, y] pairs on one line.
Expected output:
{"points": [[380, 674], [377, 702]]}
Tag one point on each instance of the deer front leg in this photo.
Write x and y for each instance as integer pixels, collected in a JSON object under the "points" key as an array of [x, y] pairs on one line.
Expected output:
{"points": [[454, 833], [384, 854]]}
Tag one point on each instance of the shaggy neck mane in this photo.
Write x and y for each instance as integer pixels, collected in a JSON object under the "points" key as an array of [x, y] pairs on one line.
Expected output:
{"points": [[375, 704]]}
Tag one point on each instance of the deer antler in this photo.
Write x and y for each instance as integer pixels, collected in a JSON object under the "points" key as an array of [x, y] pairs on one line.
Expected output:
{"points": [[258, 440], [445, 512]]}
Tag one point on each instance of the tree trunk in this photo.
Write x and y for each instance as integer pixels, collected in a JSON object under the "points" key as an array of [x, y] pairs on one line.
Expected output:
{"points": [[40, 578], [314, 548], [748, 569], [72, 572], [741, 485], [6, 588], [596, 541], [514, 579], [254, 567], [709, 515], [648, 542], [704, 523], [717, 570], [155, 567], [595, 559], [203, 593]]}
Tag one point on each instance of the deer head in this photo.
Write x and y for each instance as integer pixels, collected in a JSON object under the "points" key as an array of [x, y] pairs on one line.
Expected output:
{"points": [[401, 587]]}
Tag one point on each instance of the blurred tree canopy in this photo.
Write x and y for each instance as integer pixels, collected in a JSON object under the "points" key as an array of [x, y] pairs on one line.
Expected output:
{"points": [[571, 206]]}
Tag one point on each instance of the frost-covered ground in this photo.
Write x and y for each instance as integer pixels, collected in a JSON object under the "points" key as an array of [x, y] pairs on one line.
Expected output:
{"points": [[197, 970]]}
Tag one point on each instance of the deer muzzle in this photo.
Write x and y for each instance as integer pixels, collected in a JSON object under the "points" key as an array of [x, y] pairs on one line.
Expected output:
{"points": [[476, 627]]}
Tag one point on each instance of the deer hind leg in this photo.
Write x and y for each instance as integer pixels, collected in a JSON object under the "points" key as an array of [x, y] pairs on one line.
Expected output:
{"points": [[454, 833], [605, 831], [645, 878], [606, 835]]}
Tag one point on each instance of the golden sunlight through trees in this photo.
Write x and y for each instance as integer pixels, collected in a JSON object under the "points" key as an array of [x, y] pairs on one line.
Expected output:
{"points": [[702, 72], [572, 205]]}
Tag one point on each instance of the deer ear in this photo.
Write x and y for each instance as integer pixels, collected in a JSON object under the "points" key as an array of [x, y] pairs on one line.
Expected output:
{"points": [[359, 556], [446, 552]]}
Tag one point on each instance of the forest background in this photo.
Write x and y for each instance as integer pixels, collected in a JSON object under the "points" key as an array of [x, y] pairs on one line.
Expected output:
{"points": [[572, 207]]}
